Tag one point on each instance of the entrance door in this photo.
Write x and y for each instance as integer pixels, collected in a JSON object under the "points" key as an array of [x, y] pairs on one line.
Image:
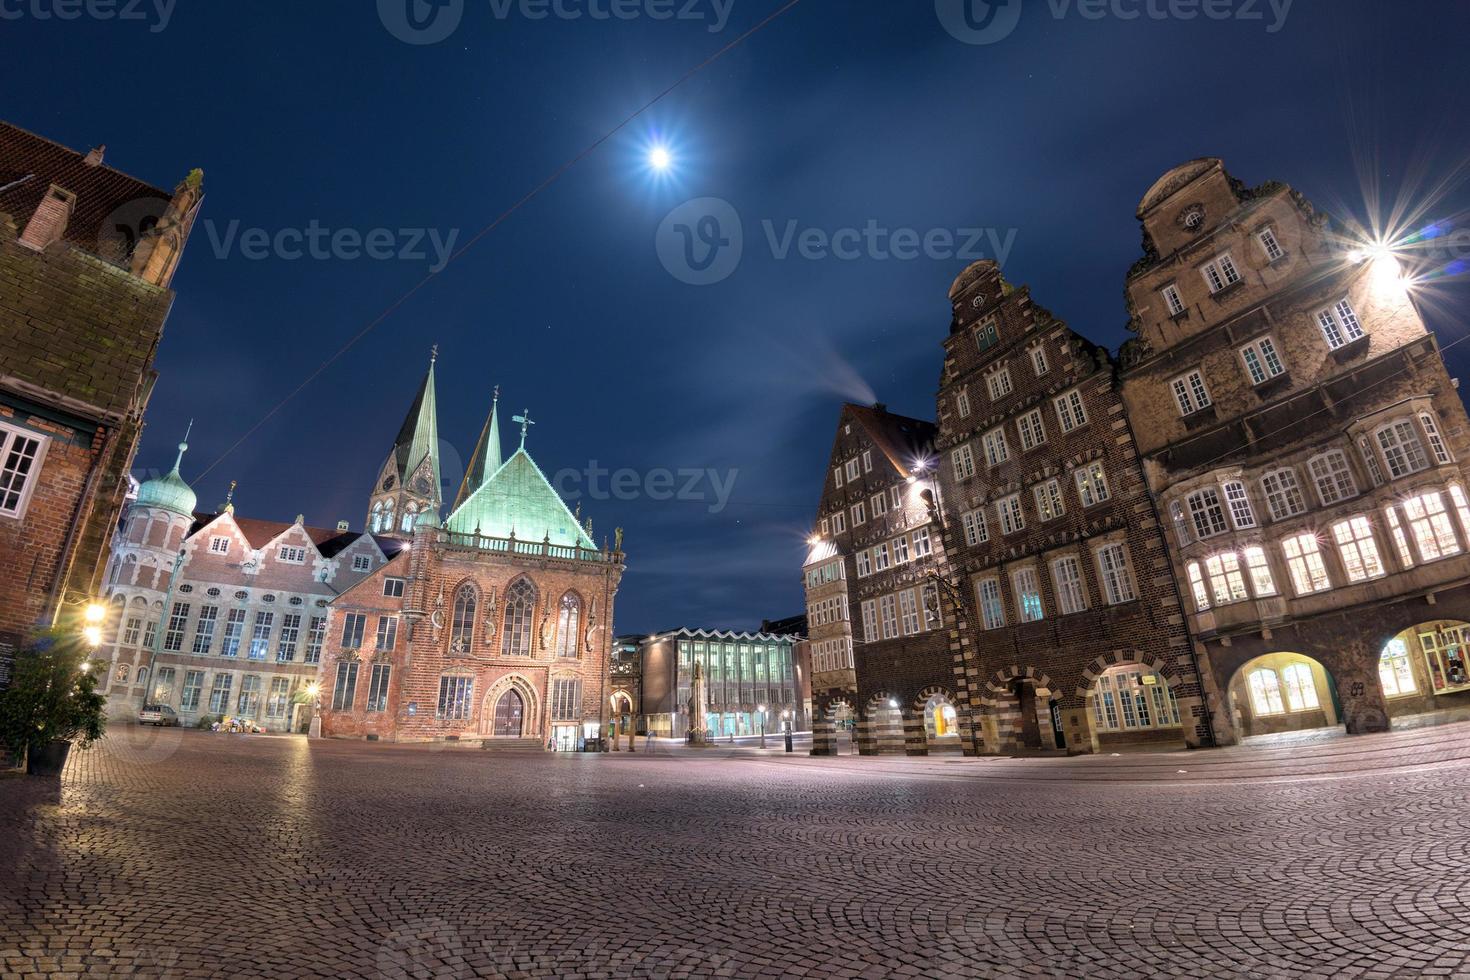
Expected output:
{"points": [[508, 711], [1030, 727]]}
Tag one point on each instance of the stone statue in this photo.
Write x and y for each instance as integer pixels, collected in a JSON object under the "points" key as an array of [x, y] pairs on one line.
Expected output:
{"points": [[698, 700]]}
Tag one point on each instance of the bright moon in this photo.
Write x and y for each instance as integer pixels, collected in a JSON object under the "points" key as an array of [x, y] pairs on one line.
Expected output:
{"points": [[659, 158]]}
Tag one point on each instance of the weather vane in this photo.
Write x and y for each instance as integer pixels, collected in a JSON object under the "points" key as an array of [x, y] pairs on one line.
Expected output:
{"points": [[525, 419]]}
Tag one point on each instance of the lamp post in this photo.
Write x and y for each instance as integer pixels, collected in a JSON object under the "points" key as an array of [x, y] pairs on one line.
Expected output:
{"points": [[786, 720], [762, 709], [314, 692]]}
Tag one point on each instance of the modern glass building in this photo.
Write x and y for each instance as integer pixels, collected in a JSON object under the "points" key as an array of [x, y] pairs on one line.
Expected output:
{"points": [[752, 679]]}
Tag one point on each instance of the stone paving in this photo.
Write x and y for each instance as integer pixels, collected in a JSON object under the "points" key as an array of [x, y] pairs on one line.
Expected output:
{"points": [[189, 854]]}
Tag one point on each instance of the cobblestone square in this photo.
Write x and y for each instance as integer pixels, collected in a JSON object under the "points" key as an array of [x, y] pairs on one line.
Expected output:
{"points": [[189, 854]]}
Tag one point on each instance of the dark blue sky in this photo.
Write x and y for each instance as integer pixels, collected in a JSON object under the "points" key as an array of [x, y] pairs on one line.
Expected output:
{"points": [[839, 113]]}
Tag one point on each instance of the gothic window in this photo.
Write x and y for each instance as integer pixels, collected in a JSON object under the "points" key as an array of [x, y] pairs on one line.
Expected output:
{"points": [[387, 515], [409, 514], [462, 627], [520, 607], [377, 522], [568, 625]]}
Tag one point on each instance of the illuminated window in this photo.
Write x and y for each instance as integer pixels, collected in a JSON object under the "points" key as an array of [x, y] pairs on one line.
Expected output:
{"points": [[1197, 587], [1227, 581], [1332, 477], [1092, 484], [1033, 433], [1370, 460], [1049, 500], [1265, 692], [1395, 672], [1444, 657], [1283, 494], [1028, 595], [569, 626], [992, 609], [462, 626], [1262, 362], [1190, 392], [1301, 688], [1400, 539], [1066, 574], [1239, 503], [1128, 698], [1260, 571], [1359, 550], [455, 695], [1401, 448], [1429, 525], [1304, 562], [1339, 324]]}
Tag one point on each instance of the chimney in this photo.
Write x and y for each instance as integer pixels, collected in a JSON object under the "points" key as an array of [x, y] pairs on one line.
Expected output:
{"points": [[48, 223], [343, 526], [94, 158]]}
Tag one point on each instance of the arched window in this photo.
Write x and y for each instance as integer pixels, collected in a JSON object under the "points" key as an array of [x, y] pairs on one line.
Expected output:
{"points": [[520, 607], [387, 515], [568, 626], [408, 515], [462, 628], [377, 517], [1129, 697]]}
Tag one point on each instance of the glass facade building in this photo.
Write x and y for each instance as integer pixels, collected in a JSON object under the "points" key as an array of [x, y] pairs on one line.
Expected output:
{"points": [[743, 672]]}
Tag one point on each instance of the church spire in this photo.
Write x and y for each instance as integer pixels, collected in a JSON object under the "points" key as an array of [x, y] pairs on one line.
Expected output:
{"points": [[486, 459], [409, 482], [418, 439]]}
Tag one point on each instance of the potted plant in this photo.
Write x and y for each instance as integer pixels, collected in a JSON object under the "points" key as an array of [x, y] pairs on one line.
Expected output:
{"points": [[52, 700]]}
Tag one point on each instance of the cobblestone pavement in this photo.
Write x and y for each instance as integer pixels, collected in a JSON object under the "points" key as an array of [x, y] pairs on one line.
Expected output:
{"points": [[190, 854]]}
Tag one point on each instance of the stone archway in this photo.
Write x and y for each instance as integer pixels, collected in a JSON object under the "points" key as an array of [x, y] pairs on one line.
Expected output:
{"points": [[1016, 711], [1131, 699], [935, 727], [1424, 672], [1284, 693], [881, 729], [495, 725], [834, 723]]}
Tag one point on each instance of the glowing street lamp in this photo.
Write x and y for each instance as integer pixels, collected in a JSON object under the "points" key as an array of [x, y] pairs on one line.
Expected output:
{"points": [[660, 159], [762, 709]]}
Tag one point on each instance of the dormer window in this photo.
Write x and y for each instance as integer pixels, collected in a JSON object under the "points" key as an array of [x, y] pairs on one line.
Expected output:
{"points": [[1220, 272], [219, 545], [362, 563], [292, 556], [987, 335]]}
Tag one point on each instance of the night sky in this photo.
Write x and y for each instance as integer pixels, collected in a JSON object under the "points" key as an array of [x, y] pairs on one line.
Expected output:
{"points": [[834, 115]]}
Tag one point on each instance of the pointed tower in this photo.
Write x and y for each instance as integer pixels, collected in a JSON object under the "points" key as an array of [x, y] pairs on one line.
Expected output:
{"points": [[408, 483], [486, 459]]}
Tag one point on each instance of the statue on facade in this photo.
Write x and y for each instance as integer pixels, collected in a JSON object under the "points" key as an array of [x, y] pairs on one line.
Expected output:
{"points": [[698, 700]]}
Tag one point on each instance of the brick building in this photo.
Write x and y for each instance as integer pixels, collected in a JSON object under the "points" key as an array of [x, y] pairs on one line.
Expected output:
{"points": [[1305, 441], [495, 626], [1069, 632], [873, 515], [225, 614], [829, 639], [87, 254]]}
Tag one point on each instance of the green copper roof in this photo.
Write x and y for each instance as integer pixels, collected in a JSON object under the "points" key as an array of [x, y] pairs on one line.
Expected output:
{"points": [[419, 436], [518, 499], [486, 459], [169, 492]]}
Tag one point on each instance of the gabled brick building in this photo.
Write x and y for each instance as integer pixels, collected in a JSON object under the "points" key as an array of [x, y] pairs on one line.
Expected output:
{"points": [[87, 254], [873, 516], [1309, 449], [1070, 633]]}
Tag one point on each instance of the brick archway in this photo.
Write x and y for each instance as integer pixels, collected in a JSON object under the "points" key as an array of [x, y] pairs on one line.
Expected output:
{"points": [[1123, 658], [918, 739], [825, 740], [1011, 719], [881, 725]]}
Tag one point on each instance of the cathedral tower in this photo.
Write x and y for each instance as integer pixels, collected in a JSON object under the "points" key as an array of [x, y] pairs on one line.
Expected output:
{"points": [[408, 483]]}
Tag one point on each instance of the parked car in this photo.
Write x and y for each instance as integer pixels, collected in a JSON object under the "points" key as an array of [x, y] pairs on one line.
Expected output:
{"points": [[158, 714]]}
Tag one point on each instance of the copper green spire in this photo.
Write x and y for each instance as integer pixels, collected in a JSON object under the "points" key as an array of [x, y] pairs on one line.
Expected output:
{"points": [[486, 458], [169, 491]]}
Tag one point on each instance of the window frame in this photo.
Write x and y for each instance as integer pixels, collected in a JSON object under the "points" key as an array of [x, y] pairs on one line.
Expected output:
{"points": [[9, 436]]}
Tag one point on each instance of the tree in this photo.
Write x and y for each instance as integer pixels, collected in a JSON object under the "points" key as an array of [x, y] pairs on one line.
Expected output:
{"points": [[52, 694]]}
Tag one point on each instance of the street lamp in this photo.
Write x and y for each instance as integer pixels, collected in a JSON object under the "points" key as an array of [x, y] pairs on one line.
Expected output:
{"points": [[314, 692], [786, 723], [762, 709]]}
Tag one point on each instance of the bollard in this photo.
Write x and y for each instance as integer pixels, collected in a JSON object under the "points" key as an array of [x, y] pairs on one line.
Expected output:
{"points": [[788, 741]]}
